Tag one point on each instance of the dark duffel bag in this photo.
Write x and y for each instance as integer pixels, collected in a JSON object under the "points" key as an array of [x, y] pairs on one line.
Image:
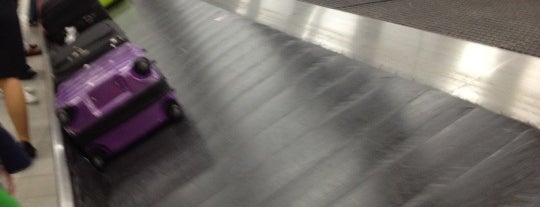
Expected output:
{"points": [[89, 45], [58, 14]]}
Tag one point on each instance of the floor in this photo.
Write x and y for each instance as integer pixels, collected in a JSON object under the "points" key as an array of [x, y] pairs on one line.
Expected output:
{"points": [[35, 187], [272, 120]]}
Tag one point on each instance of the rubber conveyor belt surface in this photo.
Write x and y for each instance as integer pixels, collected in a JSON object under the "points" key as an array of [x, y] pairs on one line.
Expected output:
{"points": [[275, 121], [508, 24]]}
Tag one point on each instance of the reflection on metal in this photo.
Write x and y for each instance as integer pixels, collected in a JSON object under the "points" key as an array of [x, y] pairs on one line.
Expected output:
{"points": [[502, 81], [63, 181]]}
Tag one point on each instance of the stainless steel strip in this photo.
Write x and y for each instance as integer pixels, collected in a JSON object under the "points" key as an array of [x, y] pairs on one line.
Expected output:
{"points": [[63, 180], [502, 81]]}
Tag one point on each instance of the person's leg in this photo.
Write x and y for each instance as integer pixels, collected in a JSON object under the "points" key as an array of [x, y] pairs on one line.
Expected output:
{"points": [[14, 98], [15, 103], [29, 96], [13, 64]]}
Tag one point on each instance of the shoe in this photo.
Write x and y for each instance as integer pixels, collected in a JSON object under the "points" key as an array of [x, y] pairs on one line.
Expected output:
{"points": [[29, 149], [33, 50], [29, 98]]}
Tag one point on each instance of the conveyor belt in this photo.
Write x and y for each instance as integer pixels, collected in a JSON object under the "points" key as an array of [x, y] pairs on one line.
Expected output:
{"points": [[275, 121], [508, 24]]}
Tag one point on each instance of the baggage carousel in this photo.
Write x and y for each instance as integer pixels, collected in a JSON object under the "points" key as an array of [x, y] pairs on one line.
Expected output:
{"points": [[273, 119]]}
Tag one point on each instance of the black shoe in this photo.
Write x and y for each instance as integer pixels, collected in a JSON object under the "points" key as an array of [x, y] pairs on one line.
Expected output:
{"points": [[29, 149]]}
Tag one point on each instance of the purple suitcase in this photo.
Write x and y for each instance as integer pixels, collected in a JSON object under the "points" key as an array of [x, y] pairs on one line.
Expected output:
{"points": [[114, 101]]}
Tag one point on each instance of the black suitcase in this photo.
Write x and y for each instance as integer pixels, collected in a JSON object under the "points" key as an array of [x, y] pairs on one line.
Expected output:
{"points": [[59, 14], [89, 45]]}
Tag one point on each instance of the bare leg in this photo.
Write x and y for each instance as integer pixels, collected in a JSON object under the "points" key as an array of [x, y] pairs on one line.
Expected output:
{"points": [[14, 99]]}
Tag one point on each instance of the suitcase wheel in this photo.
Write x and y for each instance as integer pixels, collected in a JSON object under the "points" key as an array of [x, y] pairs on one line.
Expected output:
{"points": [[142, 66], [174, 110], [97, 158], [64, 115]]}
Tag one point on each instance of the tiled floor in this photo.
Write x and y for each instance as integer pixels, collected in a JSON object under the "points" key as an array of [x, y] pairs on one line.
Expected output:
{"points": [[35, 187]]}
